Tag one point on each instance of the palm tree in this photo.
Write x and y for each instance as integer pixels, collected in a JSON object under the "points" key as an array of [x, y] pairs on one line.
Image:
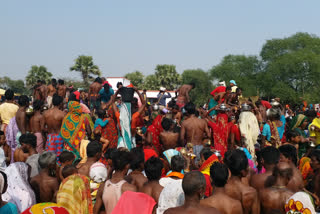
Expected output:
{"points": [[84, 64], [37, 73]]}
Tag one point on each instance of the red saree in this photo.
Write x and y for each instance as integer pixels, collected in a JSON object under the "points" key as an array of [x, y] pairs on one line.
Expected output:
{"points": [[155, 129], [220, 133]]}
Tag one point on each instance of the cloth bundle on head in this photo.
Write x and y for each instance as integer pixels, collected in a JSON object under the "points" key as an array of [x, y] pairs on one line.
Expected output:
{"points": [[46, 208], [300, 202], [98, 172], [170, 153], [162, 88]]}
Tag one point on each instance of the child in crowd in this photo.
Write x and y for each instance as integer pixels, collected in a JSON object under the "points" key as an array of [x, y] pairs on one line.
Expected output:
{"points": [[66, 158], [99, 124], [68, 170]]}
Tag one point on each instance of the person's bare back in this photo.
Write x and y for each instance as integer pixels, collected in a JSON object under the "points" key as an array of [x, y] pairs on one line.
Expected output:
{"points": [[94, 88], [44, 187], [183, 92], [257, 180], [192, 209], [21, 119], [194, 130], [62, 90], [84, 169], [224, 203], [169, 139], [37, 122], [138, 179], [51, 90], [153, 189], [296, 183], [53, 119]]}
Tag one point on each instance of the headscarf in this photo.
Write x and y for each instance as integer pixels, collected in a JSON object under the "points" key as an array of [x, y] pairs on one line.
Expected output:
{"points": [[297, 121], [300, 202], [74, 195], [170, 153], [98, 172], [221, 133], [19, 191], [47, 207], [134, 203], [205, 167], [155, 129]]}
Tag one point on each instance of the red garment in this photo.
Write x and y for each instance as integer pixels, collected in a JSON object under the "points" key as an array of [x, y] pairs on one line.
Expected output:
{"points": [[266, 104], [209, 188], [233, 128], [148, 153], [217, 90], [155, 129], [220, 133], [110, 131]]}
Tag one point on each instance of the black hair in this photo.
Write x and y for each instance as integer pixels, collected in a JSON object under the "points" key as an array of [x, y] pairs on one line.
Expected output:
{"points": [[43, 82], [137, 158], [289, 152], [9, 94], [193, 84], [1, 133], [68, 170], [101, 113], [153, 168], [109, 153], [316, 153], [106, 88], [166, 124], [118, 84], [236, 160], [39, 81], [238, 89], [228, 88], [206, 153], [270, 155], [23, 100], [73, 97], [284, 173], [98, 80], [291, 134], [120, 159], [311, 113], [46, 159], [190, 108], [219, 174], [5, 180], [56, 100], [193, 182], [93, 148], [66, 156], [29, 139], [53, 81], [37, 104], [177, 163], [61, 82]]}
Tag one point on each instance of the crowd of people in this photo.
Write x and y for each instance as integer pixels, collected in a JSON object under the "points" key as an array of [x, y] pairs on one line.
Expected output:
{"points": [[112, 150]]}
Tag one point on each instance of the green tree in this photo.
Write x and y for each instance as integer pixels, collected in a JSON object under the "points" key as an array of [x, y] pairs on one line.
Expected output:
{"points": [[167, 76], [136, 79], [16, 85], [37, 73], [84, 65], [151, 82], [201, 93], [243, 69]]}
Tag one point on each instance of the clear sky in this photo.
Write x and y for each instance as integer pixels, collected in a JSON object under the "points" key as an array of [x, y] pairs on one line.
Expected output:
{"points": [[124, 36]]}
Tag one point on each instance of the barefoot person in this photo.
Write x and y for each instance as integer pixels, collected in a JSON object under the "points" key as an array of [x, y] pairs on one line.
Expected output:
{"points": [[37, 124], [182, 94], [168, 138]]}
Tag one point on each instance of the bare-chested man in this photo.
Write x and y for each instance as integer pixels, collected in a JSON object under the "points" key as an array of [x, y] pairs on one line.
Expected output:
{"points": [[61, 89], [270, 158], [219, 174], [94, 102], [37, 94], [176, 115], [274, 196], [193, 186], [193, 130], [137, 165], [44, 91], [153, 168], [168, 138], [237, 162], [182, 94], [94, 151], [288, 154], [21, 115], [52, 89], [37, 124], [53, 120], [46, 183]]}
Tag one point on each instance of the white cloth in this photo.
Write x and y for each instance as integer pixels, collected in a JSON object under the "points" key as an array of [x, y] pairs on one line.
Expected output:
{"points": [[304, 201], [98, 172], [172, 195], [19, 191], [3, 164], [165, 181]]}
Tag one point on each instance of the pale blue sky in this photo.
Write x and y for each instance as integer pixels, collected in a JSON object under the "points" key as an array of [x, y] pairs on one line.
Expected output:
{"points": [[124, 36]]}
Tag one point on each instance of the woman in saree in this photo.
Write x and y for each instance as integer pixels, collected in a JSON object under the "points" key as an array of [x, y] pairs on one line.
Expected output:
{"points": [[299, 124], [74, 195], [75, 127], [153, 133]]}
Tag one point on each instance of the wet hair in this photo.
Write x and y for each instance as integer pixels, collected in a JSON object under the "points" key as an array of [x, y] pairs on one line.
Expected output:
{"points": [[292, 134], [206, 153], [190, 108], [98, 80], [153, 168], [289, 152], [166, 124], [118, 84], [66, 156], [61, 82], [29, 139], [270, 155], [23, 100], [193, 182], [236, 160], [120, 159], [101, 113], [68, 170], [46, 159], [228, 88], [109, 153], [37, 104], [93, 148], [219, 174], [5, 181], [9, 94], [137, 156], [316, 154], [56, 100], [177, 163], [284, 173]]}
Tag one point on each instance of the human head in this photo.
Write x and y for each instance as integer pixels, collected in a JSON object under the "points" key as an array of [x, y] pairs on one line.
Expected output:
{"points": [[237, 162], [137, 162], [47, 160], [61, 82], [2, 138], [238, 91], [53, 81], [106, 87], [315, 160], [293, 137], [270, 155], [119, 85], [108, 155], [219, 174], [98, 80], [232, 83], [28, 142], [177, 163], [194, 183], [288, 153], [66, 157], [222, 83], [57, 100], [274, 113], [121, 161], [153, 168], [98, 172], [94, 149], [3, 182], [23, 101], [68, 170], [166, 124], [101, 113], [228, 89], [190, 108], [283, 171], [205, 153], [37, 105], [9, 94], [193, 84], [39, 82]]}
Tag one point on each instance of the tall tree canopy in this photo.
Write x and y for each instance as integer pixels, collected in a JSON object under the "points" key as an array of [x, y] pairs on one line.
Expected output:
{"points": [[37, 73], [136, 78], [167, 76], [151, 82], [84, 65], [16, 85]]}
